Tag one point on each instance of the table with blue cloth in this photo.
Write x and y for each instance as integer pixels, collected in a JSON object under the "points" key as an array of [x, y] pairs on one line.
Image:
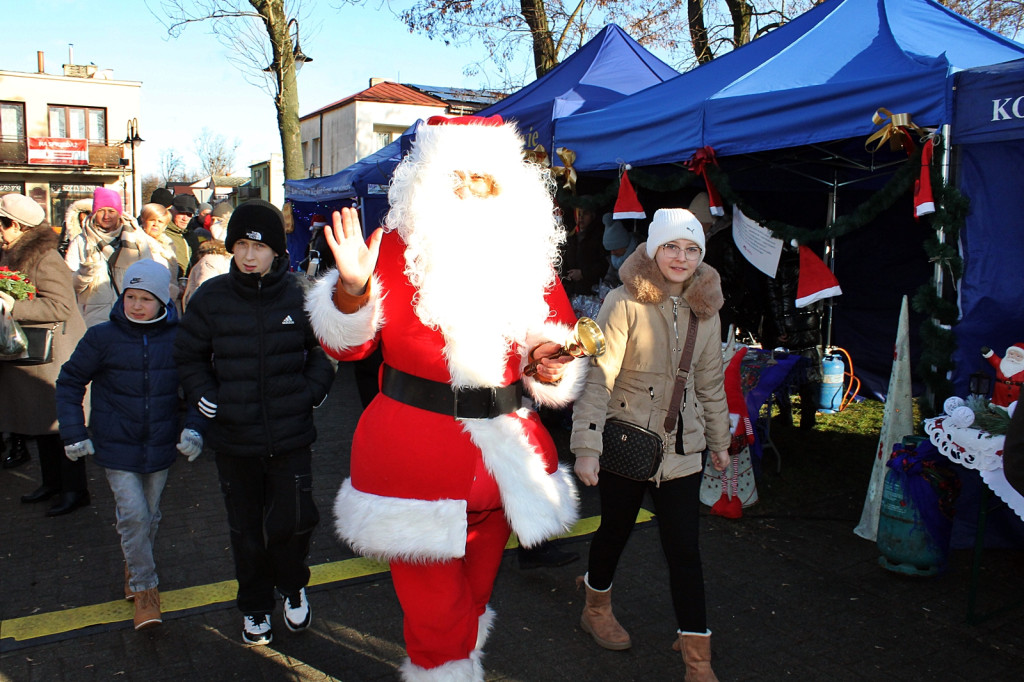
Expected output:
{"points": [[764, 373]]}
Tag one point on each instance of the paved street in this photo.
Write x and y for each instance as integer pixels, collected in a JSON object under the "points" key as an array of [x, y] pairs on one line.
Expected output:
{"points": [[791, 596]]}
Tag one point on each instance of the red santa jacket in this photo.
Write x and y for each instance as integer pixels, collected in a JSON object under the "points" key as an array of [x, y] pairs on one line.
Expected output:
{"points": [[416, 473], [1006, 389]]}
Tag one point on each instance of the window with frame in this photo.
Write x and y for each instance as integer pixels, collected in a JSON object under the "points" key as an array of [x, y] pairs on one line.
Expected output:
{"points": [[385, 135], [12, 121], [88, 123]]}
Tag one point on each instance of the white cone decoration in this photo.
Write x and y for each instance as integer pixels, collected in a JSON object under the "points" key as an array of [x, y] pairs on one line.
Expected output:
{"points": [[897, 422]]}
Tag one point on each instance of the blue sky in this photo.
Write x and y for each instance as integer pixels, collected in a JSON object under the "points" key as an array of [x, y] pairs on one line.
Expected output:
{"points": [[188, 82]]}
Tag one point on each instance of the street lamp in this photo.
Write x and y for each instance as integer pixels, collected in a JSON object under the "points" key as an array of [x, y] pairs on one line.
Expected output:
{"points": [[297, 53], [132, 139]]}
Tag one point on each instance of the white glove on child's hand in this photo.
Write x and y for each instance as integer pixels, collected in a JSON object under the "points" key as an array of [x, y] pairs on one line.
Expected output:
{"points": [[206, 408], [191, 444], [76, 451]]}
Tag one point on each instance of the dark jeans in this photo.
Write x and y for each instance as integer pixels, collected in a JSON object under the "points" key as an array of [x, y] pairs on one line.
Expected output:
{"points": [[677, 509], [59, 472], [271, 515]]}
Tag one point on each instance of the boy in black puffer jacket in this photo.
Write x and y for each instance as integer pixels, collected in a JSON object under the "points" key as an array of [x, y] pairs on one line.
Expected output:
{"points": [[250, 362], [134, 422]]}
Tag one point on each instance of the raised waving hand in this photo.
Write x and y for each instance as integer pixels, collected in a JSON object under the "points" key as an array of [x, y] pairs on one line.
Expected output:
{"points": [[354, 257]]}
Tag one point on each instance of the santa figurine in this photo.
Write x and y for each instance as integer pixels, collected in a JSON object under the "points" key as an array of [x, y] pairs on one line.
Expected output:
{"points": [[1009, 373], [459, 290]]}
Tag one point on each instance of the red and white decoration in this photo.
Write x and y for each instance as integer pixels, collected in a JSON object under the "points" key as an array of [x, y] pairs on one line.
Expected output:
{"points": [[627, 205], [816, 281], [924, 203]]}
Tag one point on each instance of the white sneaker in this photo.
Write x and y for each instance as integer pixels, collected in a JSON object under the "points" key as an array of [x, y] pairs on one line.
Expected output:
{"points": [[297, 614], [256, 629]]}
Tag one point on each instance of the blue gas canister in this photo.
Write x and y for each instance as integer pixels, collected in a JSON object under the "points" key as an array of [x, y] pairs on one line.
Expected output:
{"points": [[832, 370]]}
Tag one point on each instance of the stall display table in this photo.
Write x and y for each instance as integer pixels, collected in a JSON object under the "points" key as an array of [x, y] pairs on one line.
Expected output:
{"points": [[978, 450]]}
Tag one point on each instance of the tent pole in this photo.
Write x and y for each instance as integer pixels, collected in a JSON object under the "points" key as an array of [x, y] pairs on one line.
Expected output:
{"points": [[830, 251], [947, 150]]}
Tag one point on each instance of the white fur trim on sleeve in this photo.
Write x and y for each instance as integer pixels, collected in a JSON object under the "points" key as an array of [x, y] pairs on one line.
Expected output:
{"points": [[483, 628], [389, 528], [538, 505], [574, 379], [338, 330], [565, 391]]}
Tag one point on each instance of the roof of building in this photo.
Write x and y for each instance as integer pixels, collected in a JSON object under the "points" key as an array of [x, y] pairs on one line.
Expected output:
{"points": [[392, 93], [461, 101]]}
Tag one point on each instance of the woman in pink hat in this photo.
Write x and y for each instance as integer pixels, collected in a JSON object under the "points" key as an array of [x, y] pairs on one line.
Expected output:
{"points": [[109, 243]]}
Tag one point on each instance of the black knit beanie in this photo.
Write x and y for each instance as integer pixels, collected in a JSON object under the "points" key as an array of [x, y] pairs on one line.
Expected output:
{"points": [[258, 221]]}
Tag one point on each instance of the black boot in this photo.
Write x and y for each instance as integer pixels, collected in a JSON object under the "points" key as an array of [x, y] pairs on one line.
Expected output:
{"points": [[69, 502], [545, 555], [17, 452], [43, 492]]}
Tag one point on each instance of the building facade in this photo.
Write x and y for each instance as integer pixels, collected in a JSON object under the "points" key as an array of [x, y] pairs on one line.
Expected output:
{"points": [[61, 136]]}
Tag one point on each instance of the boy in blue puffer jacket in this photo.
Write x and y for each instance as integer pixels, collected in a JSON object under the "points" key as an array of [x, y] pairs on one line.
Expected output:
{"points": [[130, 363]]}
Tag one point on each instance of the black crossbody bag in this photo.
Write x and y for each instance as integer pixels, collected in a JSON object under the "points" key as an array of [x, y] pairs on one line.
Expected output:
{"points": [[634, 452]]}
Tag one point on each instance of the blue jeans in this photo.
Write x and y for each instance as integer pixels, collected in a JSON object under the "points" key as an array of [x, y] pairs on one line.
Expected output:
{"points": [[138, 515]]}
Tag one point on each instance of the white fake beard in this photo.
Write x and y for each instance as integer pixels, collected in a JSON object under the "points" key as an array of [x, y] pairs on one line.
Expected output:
{"points": [[481, 267], [1008, 366]]}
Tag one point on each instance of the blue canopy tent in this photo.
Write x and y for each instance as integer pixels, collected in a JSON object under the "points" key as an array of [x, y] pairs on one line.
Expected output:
{"points": [[988, 131], [814, 81], [607, 68]]}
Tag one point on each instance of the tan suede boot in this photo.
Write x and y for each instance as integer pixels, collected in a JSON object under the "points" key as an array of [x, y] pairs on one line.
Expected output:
{"points": [[147, 608], [598, 620], [696, 655], [128, 594]]}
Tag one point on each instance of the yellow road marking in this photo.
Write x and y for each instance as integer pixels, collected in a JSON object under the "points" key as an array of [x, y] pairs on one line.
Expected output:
{"points": [[58, 622]]}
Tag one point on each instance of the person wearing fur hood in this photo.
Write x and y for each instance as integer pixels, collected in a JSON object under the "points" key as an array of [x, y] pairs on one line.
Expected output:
{"points": [[460, 292], [29, 245], [645, 324], [109, 243]]}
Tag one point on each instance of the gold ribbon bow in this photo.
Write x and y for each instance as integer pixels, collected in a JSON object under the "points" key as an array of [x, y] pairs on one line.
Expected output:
{"points": [[539, 155], [895, 131], [567, 172]]}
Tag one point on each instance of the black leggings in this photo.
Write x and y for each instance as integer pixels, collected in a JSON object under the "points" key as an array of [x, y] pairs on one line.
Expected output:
{"points": [[677, 509]]}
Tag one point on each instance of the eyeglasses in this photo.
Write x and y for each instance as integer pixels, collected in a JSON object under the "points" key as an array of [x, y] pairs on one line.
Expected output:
{"points": [[675, 251]]}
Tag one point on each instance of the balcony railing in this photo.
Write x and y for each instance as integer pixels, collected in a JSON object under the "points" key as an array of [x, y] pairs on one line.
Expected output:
{"points": [[14, 151]]}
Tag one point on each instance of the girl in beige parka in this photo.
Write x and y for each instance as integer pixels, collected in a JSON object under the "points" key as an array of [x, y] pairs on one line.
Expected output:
{"points": [[645, 326]]}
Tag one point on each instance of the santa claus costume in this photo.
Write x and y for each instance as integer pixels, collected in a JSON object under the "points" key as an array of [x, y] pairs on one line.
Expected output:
{"points": [[1009, 374], [445, 459]]}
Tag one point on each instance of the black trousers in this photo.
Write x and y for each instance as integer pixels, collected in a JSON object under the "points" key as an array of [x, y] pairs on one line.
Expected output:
{"points": [[271, 514], [59, 472], [677, 509]]}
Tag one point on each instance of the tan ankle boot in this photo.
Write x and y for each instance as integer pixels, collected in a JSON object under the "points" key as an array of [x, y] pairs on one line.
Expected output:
{"points": [[147, 608], [696, 655], [598, 620], [128, 594]]}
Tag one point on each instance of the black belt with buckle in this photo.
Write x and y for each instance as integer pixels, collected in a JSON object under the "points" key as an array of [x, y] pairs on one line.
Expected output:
{"points": [[442, 398]]}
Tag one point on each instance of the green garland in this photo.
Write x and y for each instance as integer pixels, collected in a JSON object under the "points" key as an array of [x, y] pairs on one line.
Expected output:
{"points": [[938, 340]]}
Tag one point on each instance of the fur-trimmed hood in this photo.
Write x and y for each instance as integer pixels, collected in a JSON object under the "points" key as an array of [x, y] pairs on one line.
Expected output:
{"points": [[31, 246], [644, 282]]}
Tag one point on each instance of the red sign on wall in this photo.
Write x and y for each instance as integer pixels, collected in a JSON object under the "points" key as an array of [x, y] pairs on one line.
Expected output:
{"points": [[61, 151]]}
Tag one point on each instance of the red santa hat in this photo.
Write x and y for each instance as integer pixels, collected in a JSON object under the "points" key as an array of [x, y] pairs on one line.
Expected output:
{"points": [[816, 281], [627, 205], [698, 163], [924, 203]]}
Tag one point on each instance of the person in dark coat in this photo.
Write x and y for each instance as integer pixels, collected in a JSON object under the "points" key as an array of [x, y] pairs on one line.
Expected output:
{"points": [[1013, 451], [584, 260], [129, 363], [248, 358], [30, 246]]}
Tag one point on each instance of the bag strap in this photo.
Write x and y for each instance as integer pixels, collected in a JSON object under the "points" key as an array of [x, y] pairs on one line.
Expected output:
{"points": [[682, 374]]}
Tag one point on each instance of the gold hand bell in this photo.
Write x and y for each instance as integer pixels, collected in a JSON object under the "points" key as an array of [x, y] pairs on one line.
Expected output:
{"points": [[586, 340]]}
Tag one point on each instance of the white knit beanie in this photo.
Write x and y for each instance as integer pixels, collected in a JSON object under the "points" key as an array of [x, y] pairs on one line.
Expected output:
{"points": [[670, 224]]}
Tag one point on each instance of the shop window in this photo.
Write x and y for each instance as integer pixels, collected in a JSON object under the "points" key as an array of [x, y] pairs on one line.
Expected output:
{"points": [[12, 121]]}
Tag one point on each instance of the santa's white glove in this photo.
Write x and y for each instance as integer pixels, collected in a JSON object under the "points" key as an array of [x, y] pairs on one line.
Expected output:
{"points": [[78, 450], [206, 408], [6, 301], [191, 444]]}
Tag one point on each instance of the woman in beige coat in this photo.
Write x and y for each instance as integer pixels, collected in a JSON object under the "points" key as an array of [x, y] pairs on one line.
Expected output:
{"points": [[645, 326], [30, 406]]}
